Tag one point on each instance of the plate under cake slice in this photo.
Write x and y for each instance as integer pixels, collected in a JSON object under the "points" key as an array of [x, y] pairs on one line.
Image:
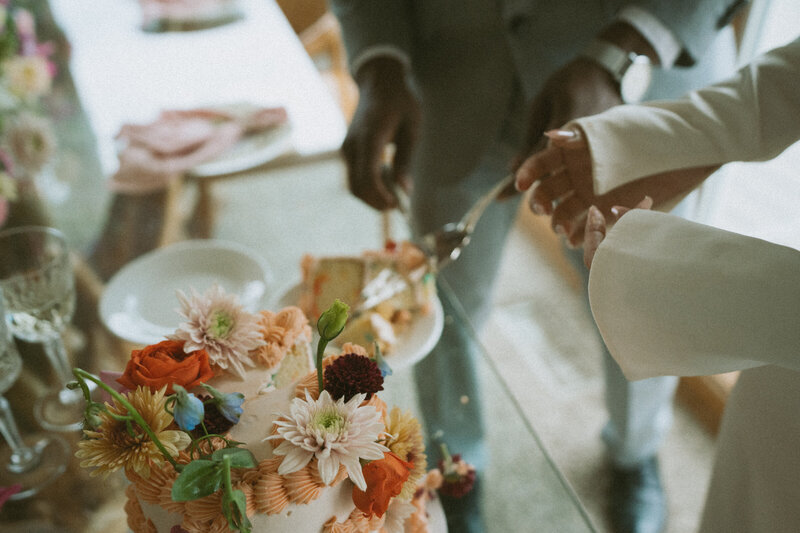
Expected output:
{"points": [[325, 279]]}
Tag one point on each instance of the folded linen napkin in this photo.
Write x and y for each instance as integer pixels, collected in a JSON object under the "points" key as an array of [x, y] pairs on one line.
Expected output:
{"points": [[155, 12], [154, 154]]}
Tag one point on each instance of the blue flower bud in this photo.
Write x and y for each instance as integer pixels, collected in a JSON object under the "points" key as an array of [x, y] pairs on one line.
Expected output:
{"points": [[383, 366], [188, 410], [228, 404]]}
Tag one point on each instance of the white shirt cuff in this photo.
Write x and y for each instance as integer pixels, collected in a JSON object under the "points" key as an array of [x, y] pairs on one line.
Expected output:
{"points": [[381, 50], [665, 43]]}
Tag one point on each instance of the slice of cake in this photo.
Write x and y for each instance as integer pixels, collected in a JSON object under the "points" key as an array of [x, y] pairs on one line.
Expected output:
{"points": [[223, 428], [354, 280]]}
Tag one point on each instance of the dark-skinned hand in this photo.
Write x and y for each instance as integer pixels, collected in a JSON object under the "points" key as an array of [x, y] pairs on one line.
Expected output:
{"points": [[388, 113]]}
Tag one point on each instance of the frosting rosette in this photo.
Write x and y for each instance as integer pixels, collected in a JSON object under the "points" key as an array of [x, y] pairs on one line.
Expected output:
{"points": [[280, 330]]}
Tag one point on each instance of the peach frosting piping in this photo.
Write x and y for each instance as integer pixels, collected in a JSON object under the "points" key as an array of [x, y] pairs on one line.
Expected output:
{"points": [[300, 487], [332, 526], [205, 509], [135, 516], [269, 495], [281, 331], [362, 523], [357, 349], [265, 490]]}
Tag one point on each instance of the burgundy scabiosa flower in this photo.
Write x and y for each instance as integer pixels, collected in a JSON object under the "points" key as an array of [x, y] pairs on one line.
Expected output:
{"points": [[353, 374], [458, 476]]}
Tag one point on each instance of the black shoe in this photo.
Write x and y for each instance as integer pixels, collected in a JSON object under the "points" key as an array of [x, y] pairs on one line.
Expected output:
{"points": [[637, 498]]}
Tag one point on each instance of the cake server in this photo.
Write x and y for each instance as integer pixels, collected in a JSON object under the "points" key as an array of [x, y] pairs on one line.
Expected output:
{"points": [[440, 246], [445, 244]]}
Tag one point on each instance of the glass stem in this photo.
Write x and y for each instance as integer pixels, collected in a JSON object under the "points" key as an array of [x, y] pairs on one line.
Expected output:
{"points": [[57, 354], [23, 458]]}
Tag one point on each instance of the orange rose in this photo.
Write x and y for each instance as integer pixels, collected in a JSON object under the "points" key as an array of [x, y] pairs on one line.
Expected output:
{"points": [[166, 363], [385, 478]]}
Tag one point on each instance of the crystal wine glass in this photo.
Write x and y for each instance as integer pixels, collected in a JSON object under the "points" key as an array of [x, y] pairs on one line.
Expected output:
{"points": [[38, 286], [37, 460]]}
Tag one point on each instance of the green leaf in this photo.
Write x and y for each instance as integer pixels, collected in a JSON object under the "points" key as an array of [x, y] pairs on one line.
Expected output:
{"points": [[234, 505], [240, 457], [198, 479]]}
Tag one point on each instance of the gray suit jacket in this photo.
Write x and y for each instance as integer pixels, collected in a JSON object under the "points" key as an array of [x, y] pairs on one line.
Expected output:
{"points": [[466, 56]]}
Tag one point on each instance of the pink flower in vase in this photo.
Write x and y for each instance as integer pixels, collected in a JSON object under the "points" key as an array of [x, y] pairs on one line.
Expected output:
{"points": [[8, 492]]}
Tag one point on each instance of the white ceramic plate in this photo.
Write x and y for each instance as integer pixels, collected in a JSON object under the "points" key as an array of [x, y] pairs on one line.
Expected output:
{"points": [[211, 16], [140, 305], [250, 152], [412, 346]]}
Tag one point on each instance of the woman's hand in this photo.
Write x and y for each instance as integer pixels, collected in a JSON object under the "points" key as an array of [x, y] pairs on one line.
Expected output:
{"points": [[562, 179], [595, 229]]}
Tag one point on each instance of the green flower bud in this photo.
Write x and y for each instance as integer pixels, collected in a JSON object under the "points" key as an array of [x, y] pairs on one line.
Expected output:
{"points": [[91, 415], [333, 320]]}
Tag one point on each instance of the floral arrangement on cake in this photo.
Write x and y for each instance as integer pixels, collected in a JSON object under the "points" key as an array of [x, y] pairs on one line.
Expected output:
{"points": [[27, 141], [175, 435]]}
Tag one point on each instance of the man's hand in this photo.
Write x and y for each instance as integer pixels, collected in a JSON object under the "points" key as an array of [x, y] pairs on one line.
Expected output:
{"points": [[388, 112], [578, 89]]}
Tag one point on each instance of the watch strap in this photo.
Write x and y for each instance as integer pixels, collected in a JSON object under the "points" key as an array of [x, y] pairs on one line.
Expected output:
{"points": [[610, 56]]}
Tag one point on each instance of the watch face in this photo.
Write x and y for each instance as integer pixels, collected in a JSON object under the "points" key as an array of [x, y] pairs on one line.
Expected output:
{"points": [[636, 80]]}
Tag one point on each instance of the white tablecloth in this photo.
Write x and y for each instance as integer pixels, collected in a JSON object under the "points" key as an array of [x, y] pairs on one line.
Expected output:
{"points": [[123, 74]]}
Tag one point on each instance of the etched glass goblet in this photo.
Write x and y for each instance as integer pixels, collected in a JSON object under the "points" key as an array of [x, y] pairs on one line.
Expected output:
{"points": [[38, 285], [37, 460]]}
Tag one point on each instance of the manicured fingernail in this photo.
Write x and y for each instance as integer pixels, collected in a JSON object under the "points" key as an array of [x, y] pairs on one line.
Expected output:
{"points": [[615, 211], [559, 134], [538, 208]]}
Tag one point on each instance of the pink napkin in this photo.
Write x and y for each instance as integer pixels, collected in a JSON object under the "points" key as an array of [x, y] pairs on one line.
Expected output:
{"points": [[154, 154], [8, 492], [182, 10]]}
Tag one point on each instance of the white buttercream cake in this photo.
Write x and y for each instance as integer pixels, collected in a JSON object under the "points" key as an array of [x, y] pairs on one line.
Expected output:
{"points": [[283, 415]]}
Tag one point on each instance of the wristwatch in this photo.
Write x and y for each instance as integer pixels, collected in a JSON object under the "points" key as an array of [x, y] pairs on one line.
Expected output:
{"points": [[632, 71]]}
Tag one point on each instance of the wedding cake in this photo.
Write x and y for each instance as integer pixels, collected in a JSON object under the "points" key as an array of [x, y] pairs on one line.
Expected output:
{"points": [[401, 270], [222, 427]]}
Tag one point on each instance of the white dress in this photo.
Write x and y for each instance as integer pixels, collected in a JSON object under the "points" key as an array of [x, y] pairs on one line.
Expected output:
{"points": [[672, 297]]}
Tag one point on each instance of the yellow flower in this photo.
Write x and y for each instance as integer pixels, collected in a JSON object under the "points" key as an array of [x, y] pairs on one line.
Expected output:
{"points": [[406, 441], [28, 76], [8, 187], [112, 447]]}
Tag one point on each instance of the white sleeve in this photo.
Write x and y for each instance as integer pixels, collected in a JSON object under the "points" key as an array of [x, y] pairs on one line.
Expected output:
{"points": [[750, 117], [672, 297]]}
